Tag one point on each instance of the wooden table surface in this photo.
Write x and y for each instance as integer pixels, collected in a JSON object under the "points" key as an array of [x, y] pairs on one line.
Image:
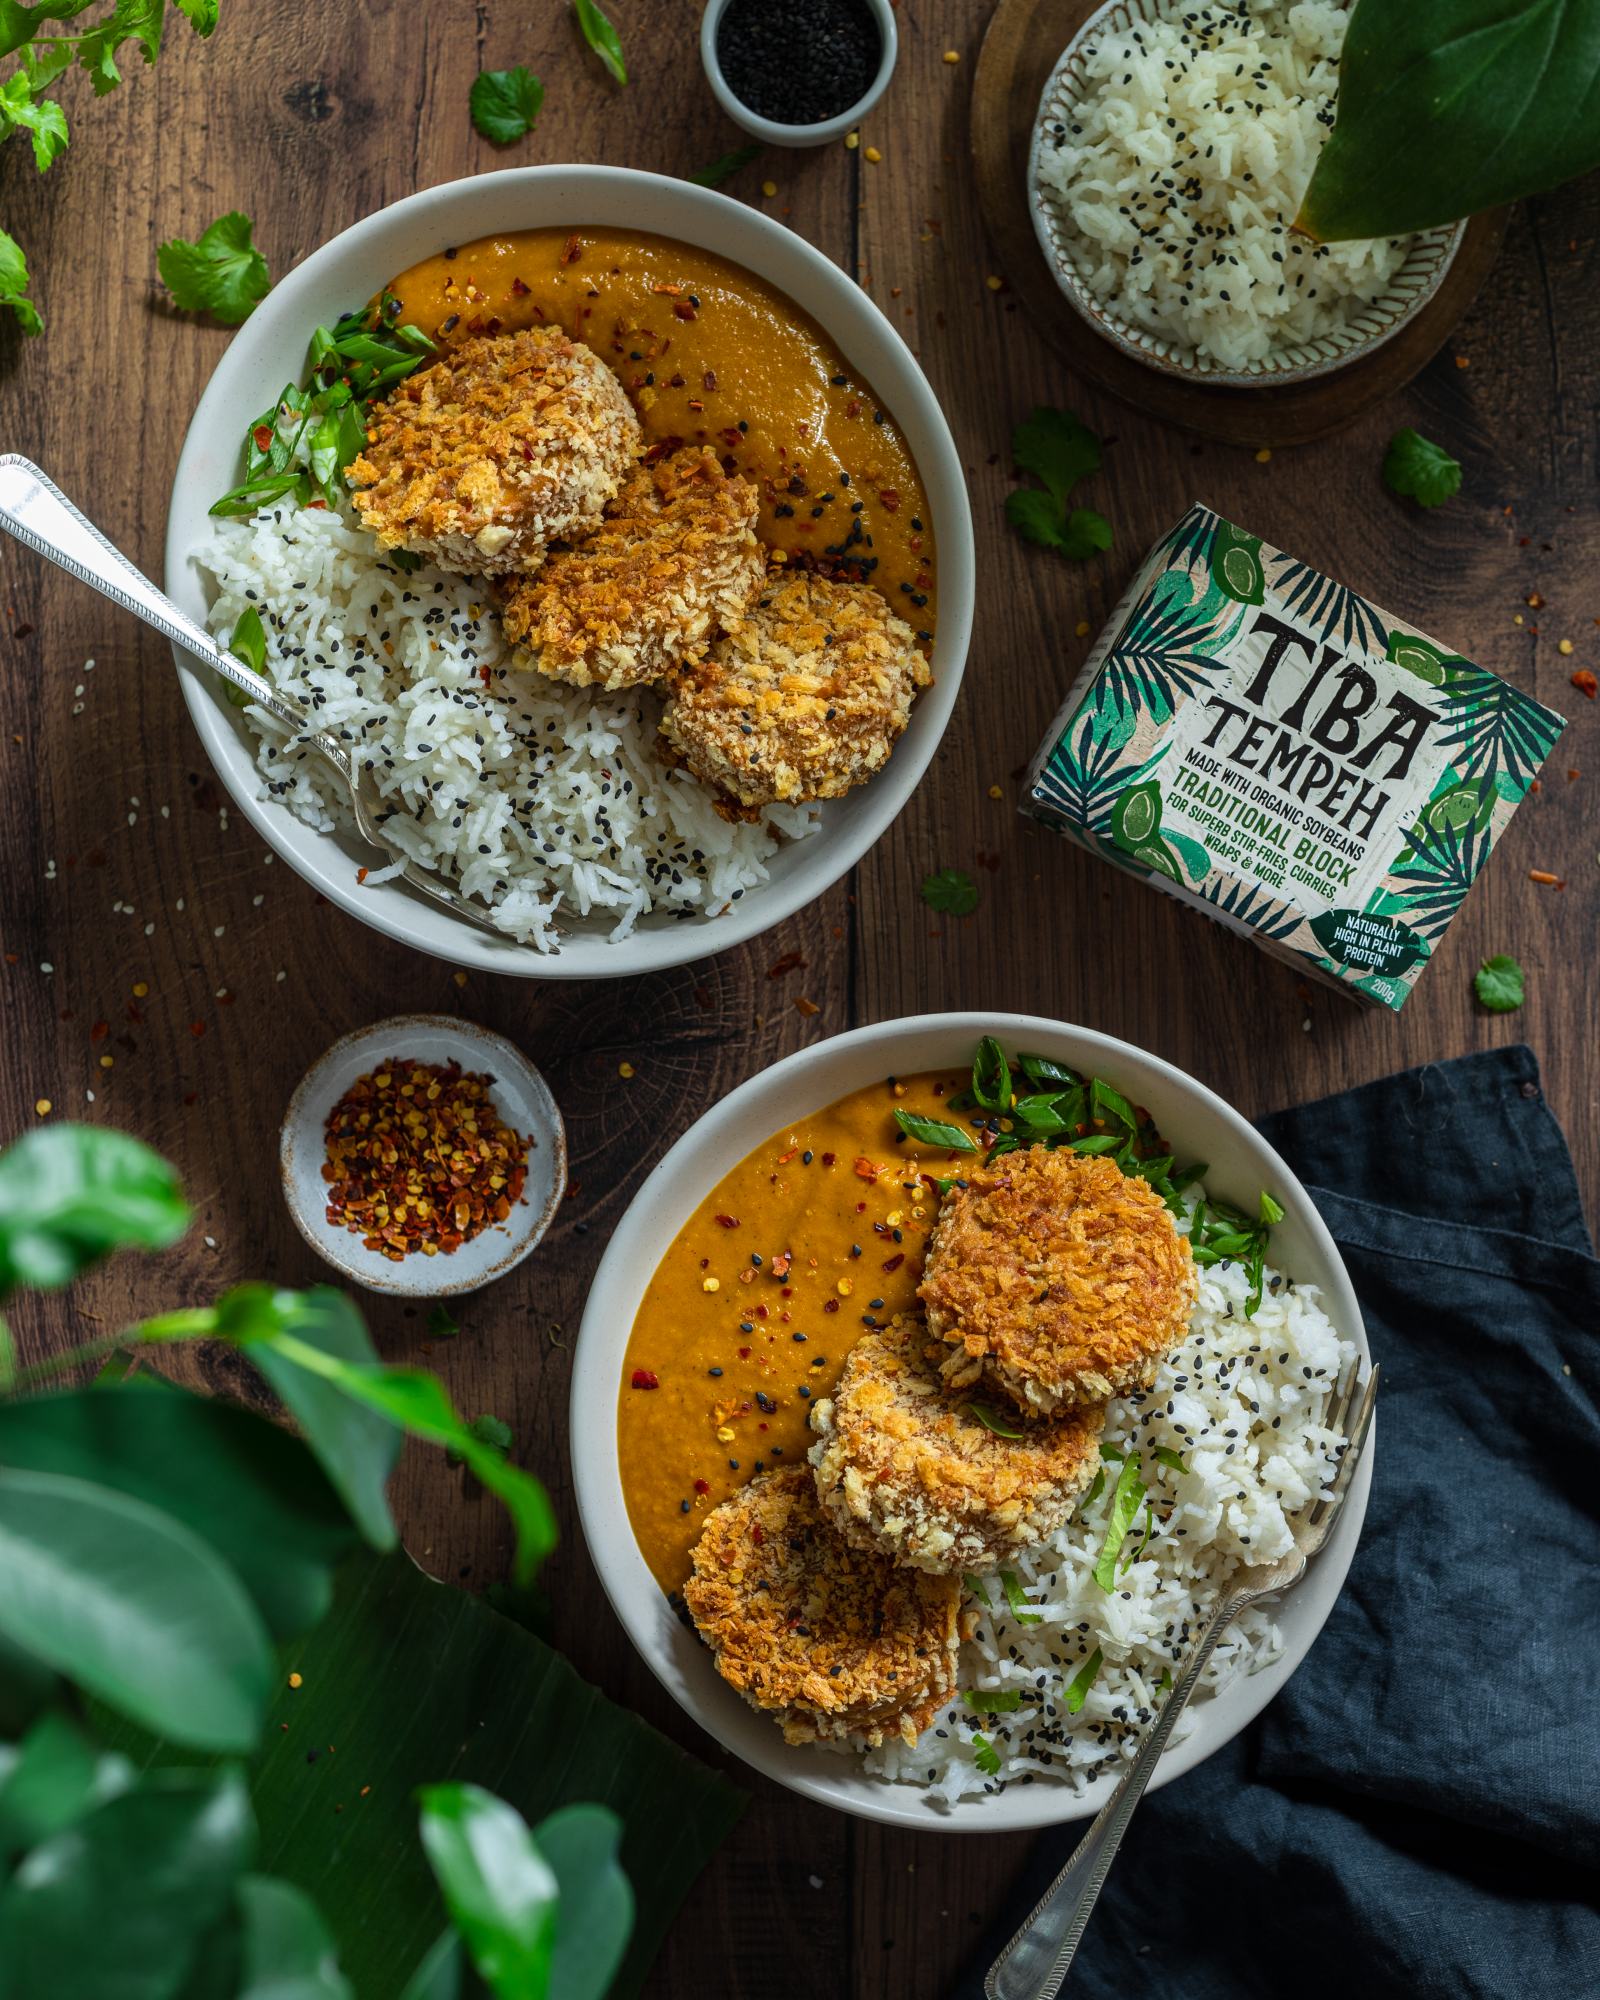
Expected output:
{"points": [[123, 866]]}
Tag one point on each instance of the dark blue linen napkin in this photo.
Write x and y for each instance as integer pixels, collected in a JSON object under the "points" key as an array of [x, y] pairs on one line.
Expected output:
{"points": [[1418, 1813]]}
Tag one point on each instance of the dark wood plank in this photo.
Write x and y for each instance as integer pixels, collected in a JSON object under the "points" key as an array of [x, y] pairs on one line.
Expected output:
{"points": [[309, 118]]}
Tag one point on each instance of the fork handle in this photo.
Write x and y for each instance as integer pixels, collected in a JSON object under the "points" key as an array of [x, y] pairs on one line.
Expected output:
{"points": [[1035, 1963], [38, 513]]}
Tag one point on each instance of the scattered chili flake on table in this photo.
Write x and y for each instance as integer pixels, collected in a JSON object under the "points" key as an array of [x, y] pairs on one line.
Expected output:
{"points": [[418, 1159]]}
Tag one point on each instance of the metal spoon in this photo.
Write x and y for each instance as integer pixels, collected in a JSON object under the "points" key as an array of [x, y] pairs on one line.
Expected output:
{"points": [[38, 513], [1035, 1963]]}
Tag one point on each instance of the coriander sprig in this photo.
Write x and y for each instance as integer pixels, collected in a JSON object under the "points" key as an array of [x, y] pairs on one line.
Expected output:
{"points": [[1059, 451]]}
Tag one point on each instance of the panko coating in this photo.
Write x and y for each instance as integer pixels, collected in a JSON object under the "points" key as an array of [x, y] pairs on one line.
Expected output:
{"points": [[674, 562], [803, 701], [905, 1467], [504, 444], [831, 1639], [1057, 1279]]}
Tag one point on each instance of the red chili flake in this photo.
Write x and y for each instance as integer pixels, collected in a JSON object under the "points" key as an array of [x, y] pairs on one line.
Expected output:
{"points": [[197, 1029], [1585, 682], [865, 1169], [830, 1305], [681, 309], [828, 1159], [728, 1221], [791, 961], [573, 250], [518, 289], [744, 1354], [486, 675], [644, 1378], [361, 875], [702, 1486], [889, 500], [781, 1263], [893, 1263], [99, 1031], [262, 435]]}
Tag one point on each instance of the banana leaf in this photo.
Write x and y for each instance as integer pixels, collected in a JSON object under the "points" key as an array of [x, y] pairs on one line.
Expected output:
{"points": [[408, 1682]]}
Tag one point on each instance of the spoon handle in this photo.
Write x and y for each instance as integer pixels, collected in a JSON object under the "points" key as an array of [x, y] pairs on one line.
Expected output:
{"points": [[1034, 1964], [39, 514]]}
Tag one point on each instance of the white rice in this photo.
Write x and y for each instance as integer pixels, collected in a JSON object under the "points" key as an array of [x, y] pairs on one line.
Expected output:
{"points": [[1184, 166], [547, 801], [1243, 1404]]}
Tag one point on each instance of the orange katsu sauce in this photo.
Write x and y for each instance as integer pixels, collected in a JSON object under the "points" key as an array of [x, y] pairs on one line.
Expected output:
{"points": [[711, 354], [762, 1293]]}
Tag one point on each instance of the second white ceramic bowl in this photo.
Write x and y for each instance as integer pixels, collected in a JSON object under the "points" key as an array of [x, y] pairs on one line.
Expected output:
{"points": [[1199, 1125], [270, 349]]}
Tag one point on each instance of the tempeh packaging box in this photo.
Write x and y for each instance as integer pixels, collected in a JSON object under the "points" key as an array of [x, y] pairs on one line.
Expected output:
{"points": [[1303, 766]]}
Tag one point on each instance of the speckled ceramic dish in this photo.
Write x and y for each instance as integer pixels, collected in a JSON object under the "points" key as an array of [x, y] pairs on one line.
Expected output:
{"points": [[519, 1094], [1418, 278]]}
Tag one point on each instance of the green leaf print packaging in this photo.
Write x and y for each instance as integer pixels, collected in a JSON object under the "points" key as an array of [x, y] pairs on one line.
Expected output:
{"points": [[1257, 740]]}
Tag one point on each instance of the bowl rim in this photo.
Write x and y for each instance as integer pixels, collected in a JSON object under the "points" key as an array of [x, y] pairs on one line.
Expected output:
{"points": [[1130, 340], [682, 1177], [705, 218], [771, 131], [476, 1044]]}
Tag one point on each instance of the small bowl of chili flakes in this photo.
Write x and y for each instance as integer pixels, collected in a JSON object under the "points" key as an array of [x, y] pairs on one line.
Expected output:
{"points": [[423, 1156]]}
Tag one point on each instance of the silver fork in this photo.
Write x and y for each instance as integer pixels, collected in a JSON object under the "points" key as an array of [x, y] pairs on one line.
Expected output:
{"points": [[1035, 1963], [39, 514]]}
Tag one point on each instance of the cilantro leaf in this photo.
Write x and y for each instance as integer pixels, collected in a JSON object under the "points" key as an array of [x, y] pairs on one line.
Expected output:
{"points": [[138, 21], [41, 118], [1498, 984], [1415, 466], [14, 284], [725, 167], [490, 1432], [442, 1323], [985, 1755], [1036, 517], [1085, 533], [951, 892], [1055, 447], [222, 274], [1084, 1679], [601, 37], [504, 103]]}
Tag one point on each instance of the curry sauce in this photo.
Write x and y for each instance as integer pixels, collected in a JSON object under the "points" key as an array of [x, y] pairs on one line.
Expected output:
{"points": [[711, 354], [819, 1232]]}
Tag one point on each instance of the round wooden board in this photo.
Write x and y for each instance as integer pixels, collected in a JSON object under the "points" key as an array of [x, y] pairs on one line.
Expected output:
{"points": [[1020, 49]]}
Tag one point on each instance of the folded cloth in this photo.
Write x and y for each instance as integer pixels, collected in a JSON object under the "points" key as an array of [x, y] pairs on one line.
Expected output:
{"points": [[1418, 1812]]}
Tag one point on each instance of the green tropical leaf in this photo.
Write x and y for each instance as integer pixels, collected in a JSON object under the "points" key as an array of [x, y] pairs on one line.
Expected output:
{"points": [[1496, 727], [499, 1889], [244, 1485], [1343, 615], [115, 1907], [1448, 107], [69, 1194], [1235, 564], [400, 1677], [134, 1607], [1195, 858], [1136, 815], [1084, 776], [596, 1909], [52, 1778], [285, 1950], [1166, 651], [1433, 877], [1253, 907], [1190, 542]]}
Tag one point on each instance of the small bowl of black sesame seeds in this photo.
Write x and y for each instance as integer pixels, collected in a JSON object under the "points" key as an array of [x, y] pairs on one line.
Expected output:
{"points": [[798, 72]]}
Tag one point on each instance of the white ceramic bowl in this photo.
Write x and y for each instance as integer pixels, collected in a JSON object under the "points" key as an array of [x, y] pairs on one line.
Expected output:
{"points": [[768, 130], [270, 349], [1418, 278], [1199, 1125], [519, 1094]]}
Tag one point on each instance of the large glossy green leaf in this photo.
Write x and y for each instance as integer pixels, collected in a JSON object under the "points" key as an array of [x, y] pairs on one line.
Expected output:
{"points": [[134, 1607], [241, 1483], [1447, 107], [52, 1777], [414, 1683], [441, 1975], [595, 1913], [287, 1953], [499, 1889], [419, 1403], [70, 1193], [115, 1907], [356, 1444]]}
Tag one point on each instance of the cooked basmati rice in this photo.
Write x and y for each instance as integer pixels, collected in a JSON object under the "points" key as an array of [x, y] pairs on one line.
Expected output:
{"points": [[1184, 166], [546, 801], [1243, 1404]]}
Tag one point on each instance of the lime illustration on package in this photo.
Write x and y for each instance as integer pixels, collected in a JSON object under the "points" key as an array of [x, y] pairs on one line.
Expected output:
{"points": [[1306, 768]]}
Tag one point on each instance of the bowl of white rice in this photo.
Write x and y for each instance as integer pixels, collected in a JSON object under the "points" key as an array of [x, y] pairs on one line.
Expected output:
{"points": [[601, 861], [1173, 144], [1241, 1406]]}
